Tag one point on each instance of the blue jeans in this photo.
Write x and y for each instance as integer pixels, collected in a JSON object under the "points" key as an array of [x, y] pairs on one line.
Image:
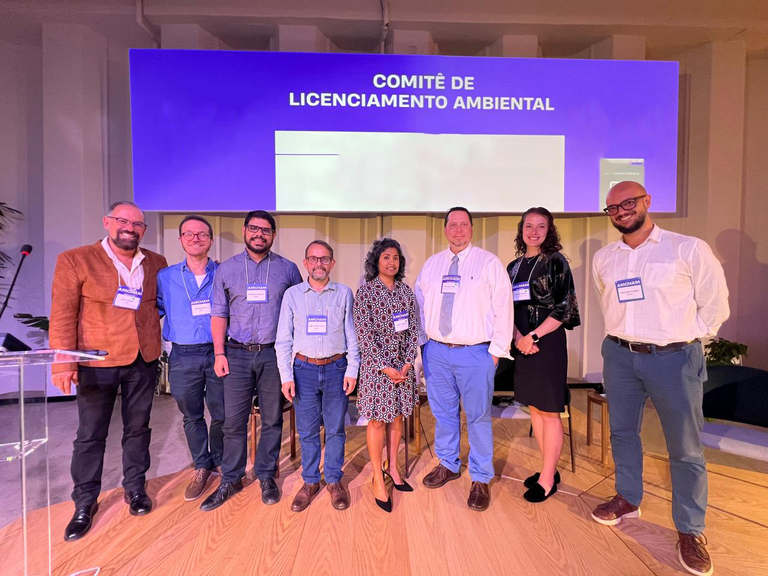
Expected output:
{"points": [[194, 384], [454, 376], [674, 383], [320, 395], [249, 373]]}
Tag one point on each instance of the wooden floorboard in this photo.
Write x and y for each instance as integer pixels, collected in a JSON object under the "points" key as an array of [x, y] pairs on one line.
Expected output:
{"points": [[428, 532]]}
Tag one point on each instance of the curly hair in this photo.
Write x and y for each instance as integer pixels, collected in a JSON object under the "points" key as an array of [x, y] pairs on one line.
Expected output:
{"points": [[372, 259], [551, 243]]}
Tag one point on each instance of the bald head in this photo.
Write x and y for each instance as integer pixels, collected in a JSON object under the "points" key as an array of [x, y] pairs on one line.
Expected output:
{"points": [[627, 205], [624, 190]]}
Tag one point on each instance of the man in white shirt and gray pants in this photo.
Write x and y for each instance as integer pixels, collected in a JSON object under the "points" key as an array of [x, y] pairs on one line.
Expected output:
{"points": [[661, 292], [465, 301]]}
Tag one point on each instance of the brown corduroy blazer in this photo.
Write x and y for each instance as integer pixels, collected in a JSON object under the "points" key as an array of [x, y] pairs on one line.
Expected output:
{"points": [[82, 316]]}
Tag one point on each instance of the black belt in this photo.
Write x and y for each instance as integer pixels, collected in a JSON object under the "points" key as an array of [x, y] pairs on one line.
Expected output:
{"points": [[645, 348], [201, 346], [459, 345], [249, 347]]}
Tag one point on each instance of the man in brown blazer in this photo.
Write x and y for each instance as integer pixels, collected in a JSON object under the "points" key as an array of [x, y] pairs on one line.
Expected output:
{"points": [[105, 298]]}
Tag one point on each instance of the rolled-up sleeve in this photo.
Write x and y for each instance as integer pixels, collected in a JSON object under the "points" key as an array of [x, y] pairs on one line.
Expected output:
{"points": [[219, 297]]}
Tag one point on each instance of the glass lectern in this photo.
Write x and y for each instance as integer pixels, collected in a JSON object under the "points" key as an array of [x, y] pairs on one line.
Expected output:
{"points": [[24, 444]]}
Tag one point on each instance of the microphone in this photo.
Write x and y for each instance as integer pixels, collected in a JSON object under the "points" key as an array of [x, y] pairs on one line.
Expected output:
{"points": [[25, 250]]}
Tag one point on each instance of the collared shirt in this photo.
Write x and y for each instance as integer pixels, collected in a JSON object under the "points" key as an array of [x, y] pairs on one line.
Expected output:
{"points": [[252, 322], [685, 295], [482, 309], [133, 278], [335, 302], [177, 288]]}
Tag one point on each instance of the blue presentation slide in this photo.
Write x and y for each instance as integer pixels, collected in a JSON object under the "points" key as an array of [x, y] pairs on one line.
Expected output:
{"points": [[224, 131]]}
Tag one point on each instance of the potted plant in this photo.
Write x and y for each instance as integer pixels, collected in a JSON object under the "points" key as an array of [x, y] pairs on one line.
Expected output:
{"points": [[722, 352]]}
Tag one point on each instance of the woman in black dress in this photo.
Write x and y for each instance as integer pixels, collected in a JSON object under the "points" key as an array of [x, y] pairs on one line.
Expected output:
{"points": [[545, 306]]}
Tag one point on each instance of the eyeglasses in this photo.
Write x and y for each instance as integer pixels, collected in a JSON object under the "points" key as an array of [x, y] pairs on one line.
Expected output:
{"points": [[628, 204], [254, 229], [316, 259], [199, 235], [124, 222]]}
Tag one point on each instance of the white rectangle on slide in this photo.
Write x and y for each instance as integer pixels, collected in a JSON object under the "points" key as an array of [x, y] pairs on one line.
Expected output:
{"points": [[410, 172]]}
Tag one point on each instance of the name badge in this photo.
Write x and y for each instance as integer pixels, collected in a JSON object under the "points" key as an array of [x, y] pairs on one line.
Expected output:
{"points": [[521, 291], [400, 320], [630, 290], [257, 293], [451, 284], [129, 298], [201, 307], [317, 325]]}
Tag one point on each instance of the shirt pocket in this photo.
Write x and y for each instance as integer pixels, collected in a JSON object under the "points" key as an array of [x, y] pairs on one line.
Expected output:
{"points": [[659, 275]]}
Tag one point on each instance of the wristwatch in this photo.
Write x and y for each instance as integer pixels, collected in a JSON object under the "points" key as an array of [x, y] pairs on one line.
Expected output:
{"points": [[535, 337]]}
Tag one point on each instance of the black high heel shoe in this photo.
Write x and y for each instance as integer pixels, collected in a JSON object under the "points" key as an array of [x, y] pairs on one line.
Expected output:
{"points": [[531, 480], [385, 505], [404, 487]]}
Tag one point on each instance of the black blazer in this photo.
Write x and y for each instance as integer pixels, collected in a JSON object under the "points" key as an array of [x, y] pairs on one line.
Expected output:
{"points": [[552, 291]]}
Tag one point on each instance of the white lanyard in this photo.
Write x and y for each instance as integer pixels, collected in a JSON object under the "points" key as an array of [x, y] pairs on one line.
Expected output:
{"points": [[529, 275], [183, 281], [245, 261]]}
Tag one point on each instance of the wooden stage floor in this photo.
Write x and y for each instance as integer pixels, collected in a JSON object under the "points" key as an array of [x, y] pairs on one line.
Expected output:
{"points": [[428, 532]]}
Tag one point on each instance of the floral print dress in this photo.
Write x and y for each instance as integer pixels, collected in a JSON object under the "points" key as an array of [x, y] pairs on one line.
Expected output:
{"points": [[381, 346]]}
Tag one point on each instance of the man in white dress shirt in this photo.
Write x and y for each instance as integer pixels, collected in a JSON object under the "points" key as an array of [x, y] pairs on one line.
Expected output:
{"points": [[661, 292], [465, 301]]}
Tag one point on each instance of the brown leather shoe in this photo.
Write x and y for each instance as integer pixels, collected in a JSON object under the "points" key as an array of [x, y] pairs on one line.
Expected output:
{"points": [[693, 555], [304, 496], [611, 513], [479, 496], [439, 476], [196, 487], [339, 496]]}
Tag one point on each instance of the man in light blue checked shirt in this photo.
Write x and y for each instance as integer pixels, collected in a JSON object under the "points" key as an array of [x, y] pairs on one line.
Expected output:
{"points": [[318, 359]]}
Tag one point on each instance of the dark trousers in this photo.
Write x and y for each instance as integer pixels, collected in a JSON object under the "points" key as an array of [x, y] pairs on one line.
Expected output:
{"points": [[193, 385], [96, 394], [249, 373]]}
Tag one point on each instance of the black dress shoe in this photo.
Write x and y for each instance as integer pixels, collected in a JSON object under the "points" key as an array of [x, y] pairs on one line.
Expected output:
{"points": [[138, 502], [223, 493], [81, 522], [270, 493], [536, 493], [531, 480]]}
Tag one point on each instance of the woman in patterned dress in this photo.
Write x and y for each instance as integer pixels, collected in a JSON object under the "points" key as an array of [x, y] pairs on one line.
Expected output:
{"points": [[387, 327]]}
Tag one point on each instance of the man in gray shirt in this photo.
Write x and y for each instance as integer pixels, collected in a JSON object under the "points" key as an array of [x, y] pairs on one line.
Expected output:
{"points": [[317, 332], [247, 292]]}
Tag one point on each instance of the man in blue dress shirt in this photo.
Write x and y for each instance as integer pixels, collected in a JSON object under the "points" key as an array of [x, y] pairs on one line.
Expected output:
{"points": [[184, 297], [318, 358], [247, 292]]}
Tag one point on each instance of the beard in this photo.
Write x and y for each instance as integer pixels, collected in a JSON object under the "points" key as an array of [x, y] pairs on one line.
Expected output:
{"points": [[126, 240], [319, 274], [256, 250], [631, 228]]}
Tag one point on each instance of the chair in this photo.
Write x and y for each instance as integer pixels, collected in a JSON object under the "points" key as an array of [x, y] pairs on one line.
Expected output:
{"points": [[287, 407], [594, 398]]}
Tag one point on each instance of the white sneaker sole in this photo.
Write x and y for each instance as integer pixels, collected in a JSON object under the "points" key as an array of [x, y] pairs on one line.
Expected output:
{"points": [[628, 515], [691, 570]]}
